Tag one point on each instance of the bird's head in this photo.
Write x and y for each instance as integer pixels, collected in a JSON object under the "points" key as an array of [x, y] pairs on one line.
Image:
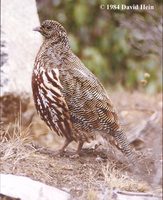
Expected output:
{"points": [[52, 30]]}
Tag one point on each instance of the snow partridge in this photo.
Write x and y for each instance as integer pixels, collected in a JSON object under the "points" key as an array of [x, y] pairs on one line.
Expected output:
{"points": [[69, 97]]}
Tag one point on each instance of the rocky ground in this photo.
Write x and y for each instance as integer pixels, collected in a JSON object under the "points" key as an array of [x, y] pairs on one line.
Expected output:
{"points": [[101, 169]]}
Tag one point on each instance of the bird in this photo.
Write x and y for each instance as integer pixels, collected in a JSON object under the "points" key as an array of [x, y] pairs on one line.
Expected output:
{"points": [[69, 98]]}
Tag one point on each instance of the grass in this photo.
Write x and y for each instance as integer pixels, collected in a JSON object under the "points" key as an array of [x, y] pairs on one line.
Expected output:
{"points": [[85, 177], [116, 178], [92, 195], [13, 140]]}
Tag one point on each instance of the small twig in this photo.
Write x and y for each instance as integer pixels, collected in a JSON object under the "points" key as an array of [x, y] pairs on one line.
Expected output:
{"points": [[137, 194]]}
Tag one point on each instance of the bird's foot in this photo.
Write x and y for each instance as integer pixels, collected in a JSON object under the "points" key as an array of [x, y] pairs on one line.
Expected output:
{"points": [[75, 155], [59, 153], [62, 151]]}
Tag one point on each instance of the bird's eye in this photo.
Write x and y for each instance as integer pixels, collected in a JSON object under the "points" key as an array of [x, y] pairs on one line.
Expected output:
{"points": [[48, 27]]}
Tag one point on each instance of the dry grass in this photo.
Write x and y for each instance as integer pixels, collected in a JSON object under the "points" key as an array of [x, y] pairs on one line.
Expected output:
{"points": [[18, 156], [12, 143], [85, 177], [92, 195], [116, 178]]}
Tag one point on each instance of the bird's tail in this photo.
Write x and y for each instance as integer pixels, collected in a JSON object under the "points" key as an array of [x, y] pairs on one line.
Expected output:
{"points": [[137, 161], [121, 142]]}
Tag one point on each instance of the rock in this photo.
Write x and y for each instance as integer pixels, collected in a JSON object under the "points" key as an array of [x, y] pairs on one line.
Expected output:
{"points": [[24, 188], [18, 50]]}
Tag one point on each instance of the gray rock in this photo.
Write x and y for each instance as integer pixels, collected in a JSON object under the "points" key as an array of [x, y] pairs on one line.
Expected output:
{"points": [[18, 50]]}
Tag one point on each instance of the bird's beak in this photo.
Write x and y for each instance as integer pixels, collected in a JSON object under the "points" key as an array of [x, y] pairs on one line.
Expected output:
{"points": [[37, 29]]}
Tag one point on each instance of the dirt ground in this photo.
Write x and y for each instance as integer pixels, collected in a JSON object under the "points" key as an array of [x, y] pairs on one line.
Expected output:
{"points": [[101, 168]]}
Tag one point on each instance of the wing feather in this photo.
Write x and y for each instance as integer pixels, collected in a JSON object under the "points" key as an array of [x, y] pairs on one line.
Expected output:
{"points": [[50, 102], [87, 99]]}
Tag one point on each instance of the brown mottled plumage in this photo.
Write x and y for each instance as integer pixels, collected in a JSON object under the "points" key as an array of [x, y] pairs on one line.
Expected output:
{"points": [[68, 97]]}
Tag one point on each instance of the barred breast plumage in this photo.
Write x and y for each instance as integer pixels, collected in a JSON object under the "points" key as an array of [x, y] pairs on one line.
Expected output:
{"points": [[68, 97]]}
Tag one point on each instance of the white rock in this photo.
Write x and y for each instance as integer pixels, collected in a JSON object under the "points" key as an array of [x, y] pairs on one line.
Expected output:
{"points": [[19, 45], [28, 189]]}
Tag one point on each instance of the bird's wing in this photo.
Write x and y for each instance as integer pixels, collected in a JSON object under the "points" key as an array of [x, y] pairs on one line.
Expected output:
{"points": [[51, 104], [87, 99]]}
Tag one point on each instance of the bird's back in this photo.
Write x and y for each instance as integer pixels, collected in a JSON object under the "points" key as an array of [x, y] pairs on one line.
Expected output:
{"points": [[87, 100]]}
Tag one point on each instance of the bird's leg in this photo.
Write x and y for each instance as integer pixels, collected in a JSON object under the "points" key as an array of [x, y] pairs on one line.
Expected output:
{"points": [[80, 145], [66, 143], [77, 152]]}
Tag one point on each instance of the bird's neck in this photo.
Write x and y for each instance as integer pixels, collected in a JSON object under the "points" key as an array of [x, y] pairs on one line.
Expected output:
{"points": [[55, 50]]}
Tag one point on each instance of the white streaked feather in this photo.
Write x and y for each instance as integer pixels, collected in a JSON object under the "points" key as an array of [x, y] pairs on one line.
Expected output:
{"points": [[49, 85]]}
